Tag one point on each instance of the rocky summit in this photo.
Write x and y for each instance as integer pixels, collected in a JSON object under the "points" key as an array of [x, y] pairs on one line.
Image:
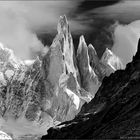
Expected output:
{"points": [[114, 112], [36, 95]]}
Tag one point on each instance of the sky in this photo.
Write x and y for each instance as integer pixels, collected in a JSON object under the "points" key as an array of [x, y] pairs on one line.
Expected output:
{"points": [[28, 26]]}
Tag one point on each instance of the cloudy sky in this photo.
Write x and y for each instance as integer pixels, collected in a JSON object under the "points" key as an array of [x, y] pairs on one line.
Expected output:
{"points": [[28, 26]]}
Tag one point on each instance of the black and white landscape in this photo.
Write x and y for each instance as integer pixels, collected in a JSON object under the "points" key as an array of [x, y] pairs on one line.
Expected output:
{"points": [[69, 69]]}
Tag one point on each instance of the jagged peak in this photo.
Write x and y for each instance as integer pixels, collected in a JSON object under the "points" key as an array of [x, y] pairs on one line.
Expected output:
{"points": [[82, 44], [82, 39], [5, 52], [83, 52], [108, 51], [7, 55], [63, 25], [93, 57], [107, 54], [111, 59], [90, 47]]}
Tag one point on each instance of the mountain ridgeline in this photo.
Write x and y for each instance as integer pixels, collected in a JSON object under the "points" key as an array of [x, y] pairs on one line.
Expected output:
{"points": [[54, 87], [114, 112]]}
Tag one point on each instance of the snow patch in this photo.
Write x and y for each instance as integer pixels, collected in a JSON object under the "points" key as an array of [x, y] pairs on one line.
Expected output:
{"points": [[74, 97]]}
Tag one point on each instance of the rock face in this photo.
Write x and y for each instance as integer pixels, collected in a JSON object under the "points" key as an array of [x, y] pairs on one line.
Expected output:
{"points": [[61, 73], [43, 92], [52, 88], [114, 112], [89, 80], [92, 70], [111, 60]]}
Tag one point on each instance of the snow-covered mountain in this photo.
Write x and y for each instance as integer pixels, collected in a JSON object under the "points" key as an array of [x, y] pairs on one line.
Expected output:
{"points": [[110, 59], [41, 93]]}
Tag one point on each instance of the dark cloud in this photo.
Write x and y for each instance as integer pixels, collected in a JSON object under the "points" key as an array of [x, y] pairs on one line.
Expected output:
{"points": [[101, 30], [87, 5], [125, 11], [90, 26]]}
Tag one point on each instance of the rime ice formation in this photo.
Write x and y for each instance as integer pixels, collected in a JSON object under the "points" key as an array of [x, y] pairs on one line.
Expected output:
{"points": [[37, 94]]}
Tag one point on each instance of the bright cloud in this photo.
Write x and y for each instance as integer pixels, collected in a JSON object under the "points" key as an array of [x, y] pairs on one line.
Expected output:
{"points": [[126, 39], [21, 20]]}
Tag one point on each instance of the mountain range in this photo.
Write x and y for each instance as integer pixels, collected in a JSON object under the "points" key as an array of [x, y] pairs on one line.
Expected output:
{"points": [[114, 112], [55, 87]]}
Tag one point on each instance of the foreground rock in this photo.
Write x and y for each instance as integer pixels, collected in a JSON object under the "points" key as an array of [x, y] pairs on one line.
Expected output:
{"points": [[114, 113]]}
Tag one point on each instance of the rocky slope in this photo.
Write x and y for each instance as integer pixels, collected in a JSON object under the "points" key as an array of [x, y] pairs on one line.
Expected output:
{"points": [[52, 88], [114, 113]]}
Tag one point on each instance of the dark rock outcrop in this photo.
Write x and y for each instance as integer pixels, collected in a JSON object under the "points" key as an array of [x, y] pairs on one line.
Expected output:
{"points": [[114, 113]]}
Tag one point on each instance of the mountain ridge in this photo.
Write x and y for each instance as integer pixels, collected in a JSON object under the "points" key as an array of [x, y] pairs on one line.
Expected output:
{"points": [[51, 89]]}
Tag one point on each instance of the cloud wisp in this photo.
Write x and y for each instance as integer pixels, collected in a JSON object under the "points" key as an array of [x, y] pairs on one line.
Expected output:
{"points": [[20, 21]]}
